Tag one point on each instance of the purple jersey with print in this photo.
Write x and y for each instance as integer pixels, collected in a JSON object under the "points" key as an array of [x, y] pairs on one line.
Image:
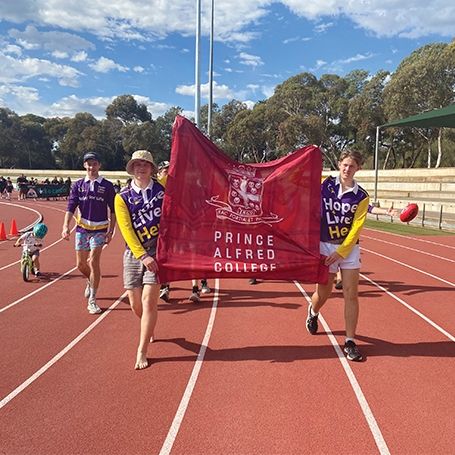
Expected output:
{"points": [[145, 215], [337, 214], [92, 199]]}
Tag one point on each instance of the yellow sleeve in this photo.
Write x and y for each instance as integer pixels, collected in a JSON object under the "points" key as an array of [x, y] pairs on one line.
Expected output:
{"points": [[354, 233], [126, 227], [162, 180]]}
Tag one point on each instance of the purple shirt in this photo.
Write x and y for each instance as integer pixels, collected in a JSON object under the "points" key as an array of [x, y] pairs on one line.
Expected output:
{"points": [[92, 197], [339, 210]]}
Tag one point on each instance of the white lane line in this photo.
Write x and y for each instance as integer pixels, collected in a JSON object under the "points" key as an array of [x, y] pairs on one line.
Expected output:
{"points": [[415, 239], [409, 307], [175, 426], [47, 284], [36, 290], [374, 427], [410, 267], [409, 248], [58, 356], [43, 249]]}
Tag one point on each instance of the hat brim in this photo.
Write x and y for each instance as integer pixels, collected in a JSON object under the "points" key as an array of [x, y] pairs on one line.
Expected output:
{"points": [[129, 165]]}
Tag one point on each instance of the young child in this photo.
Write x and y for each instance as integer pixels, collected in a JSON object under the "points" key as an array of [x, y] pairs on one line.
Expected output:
{"points": [[31, 242]]}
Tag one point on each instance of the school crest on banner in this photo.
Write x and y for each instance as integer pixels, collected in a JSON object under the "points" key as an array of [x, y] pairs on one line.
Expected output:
{"points": [[244, 198]]}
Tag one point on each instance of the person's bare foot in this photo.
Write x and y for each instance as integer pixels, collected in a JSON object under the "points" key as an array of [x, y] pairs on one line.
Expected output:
{"points": [[141, 361]]}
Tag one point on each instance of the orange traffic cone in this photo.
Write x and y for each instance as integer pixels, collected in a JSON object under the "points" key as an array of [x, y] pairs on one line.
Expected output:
{"points": [[13, 231], [2, 231]]}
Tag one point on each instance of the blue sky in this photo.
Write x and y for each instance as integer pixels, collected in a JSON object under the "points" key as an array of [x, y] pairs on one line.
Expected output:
{"points": [[60, 57]]}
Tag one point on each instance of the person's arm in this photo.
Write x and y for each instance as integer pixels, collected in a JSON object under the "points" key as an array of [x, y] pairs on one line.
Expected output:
{"points": [[66, 225], [126, 228], [379, 211], [112, 217], [356, 227], [73, 203]]}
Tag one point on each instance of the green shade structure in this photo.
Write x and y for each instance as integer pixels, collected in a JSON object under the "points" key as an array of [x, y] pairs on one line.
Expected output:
{"points": [[436, 118]]}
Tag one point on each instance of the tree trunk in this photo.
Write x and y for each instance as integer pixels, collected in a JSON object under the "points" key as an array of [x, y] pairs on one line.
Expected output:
{"points": [[386, 159], [438, 160], [428, 154]]}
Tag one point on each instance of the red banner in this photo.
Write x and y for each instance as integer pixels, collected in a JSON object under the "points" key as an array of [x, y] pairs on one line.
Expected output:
{"points": [[226, 219]]}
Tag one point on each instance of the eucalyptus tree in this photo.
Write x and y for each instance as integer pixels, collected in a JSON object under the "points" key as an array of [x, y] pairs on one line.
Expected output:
{"points": [[366, 112], [35, 146], [247, 137], [9, 138], [164, 125], [126, 109], [73, 146], [423, 81]]}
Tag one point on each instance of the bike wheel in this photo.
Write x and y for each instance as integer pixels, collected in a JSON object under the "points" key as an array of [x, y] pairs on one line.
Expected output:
{"points": [[25, 271]]}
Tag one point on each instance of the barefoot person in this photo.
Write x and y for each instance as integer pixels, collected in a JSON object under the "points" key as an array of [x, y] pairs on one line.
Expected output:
{"points": [[93, 196], [138, 210], [344, 207]]}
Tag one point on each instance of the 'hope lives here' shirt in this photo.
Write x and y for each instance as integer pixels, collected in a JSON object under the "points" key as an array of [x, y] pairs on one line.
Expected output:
{"points": [[342, 214]]}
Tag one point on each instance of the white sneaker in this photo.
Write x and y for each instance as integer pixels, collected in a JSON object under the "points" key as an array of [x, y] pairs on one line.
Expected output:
{"points": [[194, 297], [92, 307], [205, 289], [164, 294], [87, 290]]}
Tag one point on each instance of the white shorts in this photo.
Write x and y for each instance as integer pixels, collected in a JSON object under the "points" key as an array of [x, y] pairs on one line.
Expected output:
{"points": [[350, 262]]}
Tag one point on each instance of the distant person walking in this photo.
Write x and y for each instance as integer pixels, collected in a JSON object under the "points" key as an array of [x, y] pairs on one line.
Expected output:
{"points": [[93, 196]]}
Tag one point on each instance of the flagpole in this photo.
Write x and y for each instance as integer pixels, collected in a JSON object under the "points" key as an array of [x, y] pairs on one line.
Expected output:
{"points": [[197, 81], [210, 106]]}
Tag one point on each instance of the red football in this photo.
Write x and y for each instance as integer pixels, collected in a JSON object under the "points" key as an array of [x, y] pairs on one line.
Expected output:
{"points": [[409, 213]]}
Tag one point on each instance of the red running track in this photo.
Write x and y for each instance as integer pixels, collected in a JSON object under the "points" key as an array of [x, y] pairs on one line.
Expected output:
{"points": [[236, 374]]}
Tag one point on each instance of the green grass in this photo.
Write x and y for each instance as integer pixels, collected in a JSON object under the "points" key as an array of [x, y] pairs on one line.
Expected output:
{"points": [[403, 228]]}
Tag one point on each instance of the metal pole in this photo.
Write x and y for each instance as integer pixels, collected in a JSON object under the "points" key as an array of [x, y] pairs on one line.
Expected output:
{"points": [[210, 106], [376, 166], [197, 79]]}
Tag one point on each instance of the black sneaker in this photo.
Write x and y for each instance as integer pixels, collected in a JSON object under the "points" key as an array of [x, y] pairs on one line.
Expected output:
{"points": [[352, 351], [339, 285], [311, 322], [253, 281]]}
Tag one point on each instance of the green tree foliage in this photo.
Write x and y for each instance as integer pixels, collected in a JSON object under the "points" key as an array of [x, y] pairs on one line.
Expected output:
{"points": [[333, 112], [423, 81], [74, 143], [126, 109]]}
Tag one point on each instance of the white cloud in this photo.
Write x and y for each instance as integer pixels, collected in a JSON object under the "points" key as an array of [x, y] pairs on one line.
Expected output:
{"points": [[126, 19], [54, 41], [70, 105], [406, 18], [138, 69], [60, 54], [219, 91], [18, 70], [12, 49], [250, 60], [79, 57], [104, 65], [322, 28]]}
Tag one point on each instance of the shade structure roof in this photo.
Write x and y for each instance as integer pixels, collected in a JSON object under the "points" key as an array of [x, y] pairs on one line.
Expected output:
{"points": [[435, 118]]}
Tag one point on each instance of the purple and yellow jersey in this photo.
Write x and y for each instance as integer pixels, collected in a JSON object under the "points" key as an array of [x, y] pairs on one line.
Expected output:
{"points": [[92, 198], [138, 213], [342, 214]]}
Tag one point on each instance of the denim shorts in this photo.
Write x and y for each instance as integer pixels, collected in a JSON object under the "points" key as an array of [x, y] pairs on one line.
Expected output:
{"points": [[135, 275], [86, 241]]}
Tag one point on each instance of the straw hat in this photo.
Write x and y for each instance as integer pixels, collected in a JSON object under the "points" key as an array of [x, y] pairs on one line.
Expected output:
{"points": [[143, 155]]}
